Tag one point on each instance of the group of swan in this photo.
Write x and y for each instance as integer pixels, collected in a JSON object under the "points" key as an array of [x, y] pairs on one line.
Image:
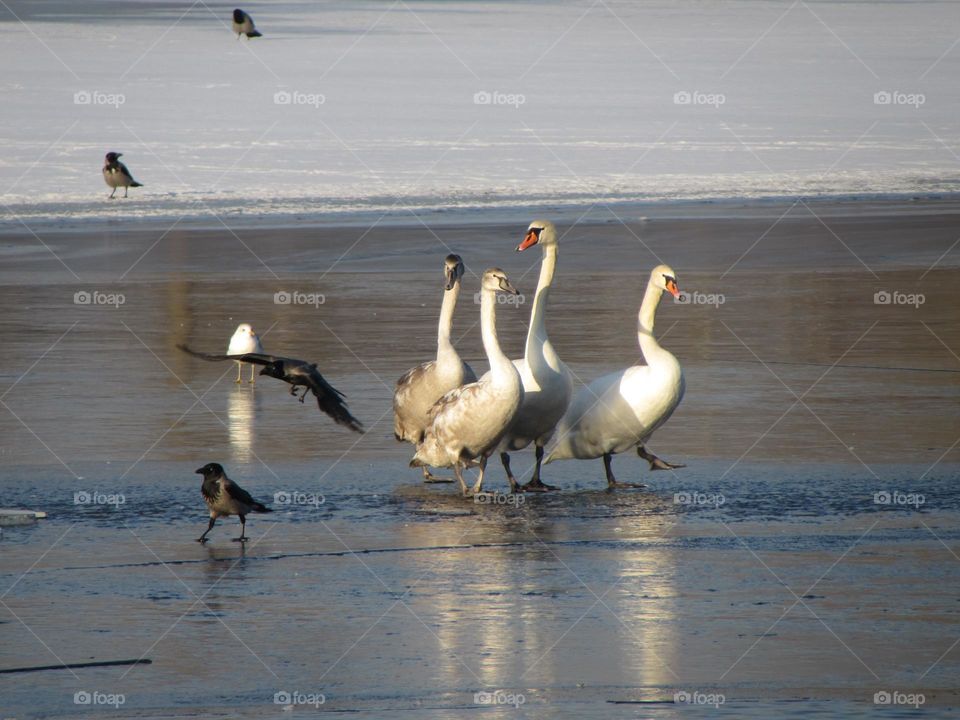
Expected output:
{"points": [[458, 421]]}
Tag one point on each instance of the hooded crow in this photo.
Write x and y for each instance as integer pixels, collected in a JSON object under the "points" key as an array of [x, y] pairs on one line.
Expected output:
{"points": [[297, 373], [115, 174], [225, 498], [245, 340], [243, 25]]}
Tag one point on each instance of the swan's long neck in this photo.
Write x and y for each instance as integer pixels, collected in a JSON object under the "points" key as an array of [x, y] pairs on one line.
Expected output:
{"points": [[500, 364], [538, 349], [445, 348], [652, 352]]}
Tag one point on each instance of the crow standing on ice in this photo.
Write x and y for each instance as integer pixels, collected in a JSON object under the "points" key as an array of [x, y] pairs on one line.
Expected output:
{"points": [[243, 25], [297, 373], [115, 174], [225, 498]]}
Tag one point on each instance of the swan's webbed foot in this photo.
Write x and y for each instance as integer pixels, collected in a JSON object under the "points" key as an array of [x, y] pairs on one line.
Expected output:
{"points": [[612, 482], [655, 462], [617, 484], [537, 485], [429, 477]]}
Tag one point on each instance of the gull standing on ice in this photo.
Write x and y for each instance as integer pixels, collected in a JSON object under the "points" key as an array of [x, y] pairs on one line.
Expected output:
{"points": [[245, 340], [225, 498], [243, 25], [115, 174]]}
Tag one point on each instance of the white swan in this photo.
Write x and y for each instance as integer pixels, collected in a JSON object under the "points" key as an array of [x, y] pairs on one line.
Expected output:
{"points": [[547, 383], [422, 386], [245, 340], [467, 423], [623, 409]]}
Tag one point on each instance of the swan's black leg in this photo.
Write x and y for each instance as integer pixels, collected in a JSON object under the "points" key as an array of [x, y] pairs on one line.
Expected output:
{"points": [[655, 462], [612, 482], [514, 485], [536, 484]]}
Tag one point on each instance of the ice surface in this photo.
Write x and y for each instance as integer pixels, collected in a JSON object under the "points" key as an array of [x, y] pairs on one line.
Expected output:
{"points": [[382, 113]]}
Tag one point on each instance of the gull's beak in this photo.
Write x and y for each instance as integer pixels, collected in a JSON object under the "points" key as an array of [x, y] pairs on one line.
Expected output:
{"points": [[531, 238], [672, 287]]}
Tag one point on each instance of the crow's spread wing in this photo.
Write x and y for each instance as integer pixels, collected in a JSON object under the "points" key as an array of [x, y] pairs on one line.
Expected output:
{"points": [[252, 358], [331, 401]]}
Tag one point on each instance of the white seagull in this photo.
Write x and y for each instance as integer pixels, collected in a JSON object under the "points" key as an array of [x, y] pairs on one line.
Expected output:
{"points": [[245, 340]]}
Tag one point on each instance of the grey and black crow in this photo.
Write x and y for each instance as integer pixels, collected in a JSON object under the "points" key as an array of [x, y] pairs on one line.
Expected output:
{"points": [[243, 25], [297, 373], [225, 498], [115, 174]]}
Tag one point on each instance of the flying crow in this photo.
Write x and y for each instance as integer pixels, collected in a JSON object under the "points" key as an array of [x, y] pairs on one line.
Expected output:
{"points": [[297, 373]]}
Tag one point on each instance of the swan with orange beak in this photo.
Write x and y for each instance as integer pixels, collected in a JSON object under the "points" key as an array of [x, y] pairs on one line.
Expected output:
{"points": [[547, 383], [622, 410]]}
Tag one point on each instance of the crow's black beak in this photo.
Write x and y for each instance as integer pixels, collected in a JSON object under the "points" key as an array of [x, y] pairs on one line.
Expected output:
{"points": [[199, 472]]}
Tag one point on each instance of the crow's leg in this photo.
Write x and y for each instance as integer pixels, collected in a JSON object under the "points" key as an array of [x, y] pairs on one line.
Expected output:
{"points": [[203, 538], [243, 530]]}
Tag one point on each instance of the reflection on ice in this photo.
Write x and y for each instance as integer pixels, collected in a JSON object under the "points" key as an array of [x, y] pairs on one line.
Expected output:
{"points": [[242, 405]]}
